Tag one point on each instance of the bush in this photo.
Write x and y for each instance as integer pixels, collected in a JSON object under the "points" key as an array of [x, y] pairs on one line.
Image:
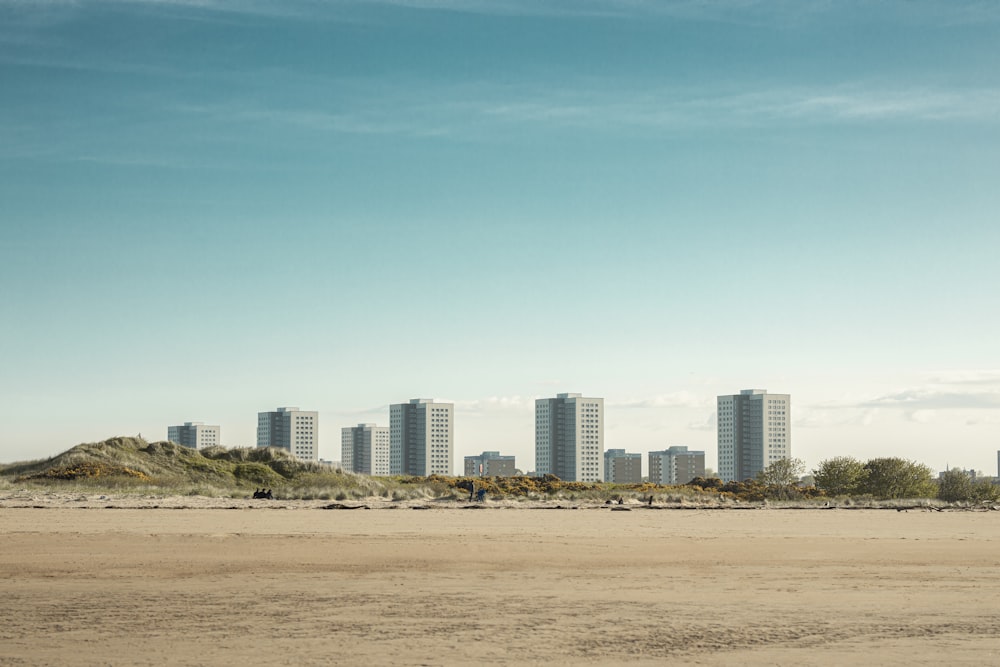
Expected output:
{"points": [[256, 473], [840, 476], [956, 485], [894, 478]]}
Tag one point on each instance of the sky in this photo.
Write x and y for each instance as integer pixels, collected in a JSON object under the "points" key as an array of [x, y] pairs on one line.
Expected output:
{"points": [[210, 209]]}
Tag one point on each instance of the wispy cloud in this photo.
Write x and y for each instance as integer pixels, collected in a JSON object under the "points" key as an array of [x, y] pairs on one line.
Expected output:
{"points": [[481, 112], [709, 423], [908, 103], [826, 417], [477, 114], [953, 395], [772, 13], [930, 398], [684, 9], [677, 399], [495, 404], [679, 108], [347, 122], [976, 377]]}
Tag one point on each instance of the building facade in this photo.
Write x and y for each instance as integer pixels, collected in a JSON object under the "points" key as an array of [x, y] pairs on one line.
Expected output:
{"points": [[365, 449], [754, 431], [291, 429], [490, 464], [421, 438], [195, 435], [621, 467], [569, 437], [676, 465]]}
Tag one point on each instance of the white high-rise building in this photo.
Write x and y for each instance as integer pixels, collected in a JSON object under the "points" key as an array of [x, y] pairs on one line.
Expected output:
{"points": [[365, 449], [569, 437], [421, 438], [754, 431], [291, 429], [194, 434]]}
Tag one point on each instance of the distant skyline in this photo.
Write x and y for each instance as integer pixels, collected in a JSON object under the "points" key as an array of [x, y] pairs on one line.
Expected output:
{"points": [[208, 209]]}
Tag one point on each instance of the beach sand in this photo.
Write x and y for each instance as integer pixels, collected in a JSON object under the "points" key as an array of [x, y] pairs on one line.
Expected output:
{"points": [[291, 584]]}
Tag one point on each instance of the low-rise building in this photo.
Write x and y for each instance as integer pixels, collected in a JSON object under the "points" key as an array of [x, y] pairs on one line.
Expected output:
{"points": [[196, 435], [621, 467], [676, 465], [490, 464]]}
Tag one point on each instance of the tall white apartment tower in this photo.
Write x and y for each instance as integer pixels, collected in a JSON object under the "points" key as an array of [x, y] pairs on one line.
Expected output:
{"points": [[195, 435], [365, 449], [569, 437], [291, 429], [421, 438], [754, 431]]}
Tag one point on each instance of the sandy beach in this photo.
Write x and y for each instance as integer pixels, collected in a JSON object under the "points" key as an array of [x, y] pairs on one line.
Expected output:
{"points": [[291, 584]]}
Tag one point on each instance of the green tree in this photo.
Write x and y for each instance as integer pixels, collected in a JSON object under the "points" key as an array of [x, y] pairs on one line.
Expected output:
{"points": [[782, 473], [984, 490], [892, 477], [955, 485], [840, 476]]}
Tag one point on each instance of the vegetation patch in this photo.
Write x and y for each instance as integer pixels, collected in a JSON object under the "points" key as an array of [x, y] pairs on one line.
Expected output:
{"points": [[133, 464], [86, 471]]}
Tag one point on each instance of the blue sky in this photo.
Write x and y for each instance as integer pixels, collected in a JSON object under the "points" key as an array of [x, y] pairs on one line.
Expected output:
{"points": [[211, 209]]}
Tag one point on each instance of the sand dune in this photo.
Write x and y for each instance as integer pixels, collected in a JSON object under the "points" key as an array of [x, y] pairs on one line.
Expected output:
{"points": [[295, 585]]}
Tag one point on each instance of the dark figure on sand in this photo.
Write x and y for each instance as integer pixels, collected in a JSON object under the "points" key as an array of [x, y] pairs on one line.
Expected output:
{"points": [[261, 494]]}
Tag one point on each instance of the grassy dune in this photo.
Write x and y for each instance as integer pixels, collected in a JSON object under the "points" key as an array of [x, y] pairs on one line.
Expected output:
{"points": [[133, 464]]}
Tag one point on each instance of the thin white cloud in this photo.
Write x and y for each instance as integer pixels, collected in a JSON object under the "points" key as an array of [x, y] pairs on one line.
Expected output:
{"points": [[771, 13], [860, 104], [677, 399], [709, 423], [976, 377], [495, 404], [599, 105], [935, 399], [921, 416], [350, 123], [679, 108], [826, 416], [120, 160], [963, 394], [474, 113]]}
